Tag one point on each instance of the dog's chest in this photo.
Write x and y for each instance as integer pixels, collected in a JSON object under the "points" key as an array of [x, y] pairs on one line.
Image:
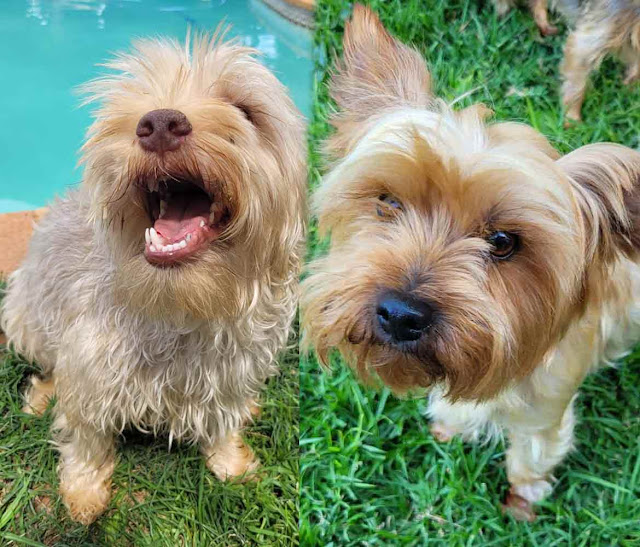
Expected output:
{"points": [[194, 385]]}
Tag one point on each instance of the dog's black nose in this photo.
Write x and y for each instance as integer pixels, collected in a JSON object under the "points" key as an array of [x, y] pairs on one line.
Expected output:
{"points": [[403, 317], [162, 130]]}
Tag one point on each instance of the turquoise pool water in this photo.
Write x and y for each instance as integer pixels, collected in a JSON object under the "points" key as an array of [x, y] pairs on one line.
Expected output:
{"points": [[51, 46]]}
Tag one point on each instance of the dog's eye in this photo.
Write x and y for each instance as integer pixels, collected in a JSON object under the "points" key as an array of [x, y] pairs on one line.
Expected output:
{"points": [[504, 244], [388, 205]]}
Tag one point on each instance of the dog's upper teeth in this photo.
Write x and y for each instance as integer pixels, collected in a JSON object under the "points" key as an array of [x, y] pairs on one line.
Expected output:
{"points": [[155, 238], [163, 208], [214, 210]]}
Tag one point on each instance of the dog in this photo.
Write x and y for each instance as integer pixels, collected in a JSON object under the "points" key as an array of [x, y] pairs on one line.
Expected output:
{"points": [[158, 294], [539, 10], [598, 28], [469, 259]]}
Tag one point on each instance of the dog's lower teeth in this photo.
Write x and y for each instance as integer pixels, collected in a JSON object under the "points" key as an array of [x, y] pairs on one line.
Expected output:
{"points": [[202, 224], [147, 237], [152, 248], [182, 244], [188, 238]]}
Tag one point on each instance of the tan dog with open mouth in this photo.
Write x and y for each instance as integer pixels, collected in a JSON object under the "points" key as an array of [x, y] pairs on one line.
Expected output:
{"points": [[160, 292], [470, 258]]}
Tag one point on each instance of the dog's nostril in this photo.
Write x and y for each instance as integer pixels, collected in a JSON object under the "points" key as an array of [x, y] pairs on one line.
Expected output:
{"points": [[383, 313], [161, 130], [403, 317], [144, 129]]}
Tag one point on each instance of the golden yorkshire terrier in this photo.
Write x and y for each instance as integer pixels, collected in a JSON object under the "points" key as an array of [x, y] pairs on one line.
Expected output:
{"points": [[158, 294], [470, 258], [599, 28]]}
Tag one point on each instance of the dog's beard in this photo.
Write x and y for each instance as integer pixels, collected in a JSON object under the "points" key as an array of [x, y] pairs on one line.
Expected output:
{"points": [[465, 350], [210, 240]]}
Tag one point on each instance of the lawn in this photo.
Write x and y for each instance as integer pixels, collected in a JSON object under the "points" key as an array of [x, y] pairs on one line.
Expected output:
{"points": [[371, 474], [161, 497]]}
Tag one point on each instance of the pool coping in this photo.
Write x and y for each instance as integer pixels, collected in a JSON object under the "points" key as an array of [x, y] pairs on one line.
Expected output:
{"points": [[15, 233], [299, 12]]}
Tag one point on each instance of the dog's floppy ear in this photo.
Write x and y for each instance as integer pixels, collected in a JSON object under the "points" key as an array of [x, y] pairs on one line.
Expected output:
{"points": [[376, 71], [608, 179]]}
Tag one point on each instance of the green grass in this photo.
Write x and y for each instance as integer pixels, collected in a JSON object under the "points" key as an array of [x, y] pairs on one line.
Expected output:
{"points": [[370, 472], [161, 497]]}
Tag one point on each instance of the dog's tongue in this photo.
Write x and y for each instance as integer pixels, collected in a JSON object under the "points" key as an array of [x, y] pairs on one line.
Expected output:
{"points": [[184, 213]]}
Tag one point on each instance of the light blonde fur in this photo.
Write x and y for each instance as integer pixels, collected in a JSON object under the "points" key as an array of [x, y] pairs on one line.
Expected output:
{"points": [[512, 340], [180, 350]]}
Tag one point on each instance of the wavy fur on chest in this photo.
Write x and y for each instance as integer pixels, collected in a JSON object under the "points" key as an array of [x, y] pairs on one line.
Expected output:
{"points": [[115, 366]]}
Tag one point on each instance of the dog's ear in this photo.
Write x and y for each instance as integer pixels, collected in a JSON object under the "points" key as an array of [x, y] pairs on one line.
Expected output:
{"points": [[607, 177], [376, 71]]}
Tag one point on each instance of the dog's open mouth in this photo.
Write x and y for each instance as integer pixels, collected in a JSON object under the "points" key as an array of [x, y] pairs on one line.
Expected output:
{"points": [[186, 219]]}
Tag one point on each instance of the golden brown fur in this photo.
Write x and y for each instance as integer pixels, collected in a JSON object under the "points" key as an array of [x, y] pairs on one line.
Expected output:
{"points": [[602, 27], [183, 349], [598, 28], [511, 340]]}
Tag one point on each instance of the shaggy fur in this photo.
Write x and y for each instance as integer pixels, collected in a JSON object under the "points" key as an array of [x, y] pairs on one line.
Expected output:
{"points": [[182, 348], [599, 28], [511, 340]]}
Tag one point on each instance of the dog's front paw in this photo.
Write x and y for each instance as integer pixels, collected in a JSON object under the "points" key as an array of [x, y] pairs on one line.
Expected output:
{"points": [[85, 497], [548, 30], [521, 497], [518, 507], [38, 395], [441, 432], [232, 458], [533, 491]]}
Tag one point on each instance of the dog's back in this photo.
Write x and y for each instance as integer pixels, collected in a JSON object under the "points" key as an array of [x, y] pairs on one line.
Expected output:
{"points": [[38, 304]]}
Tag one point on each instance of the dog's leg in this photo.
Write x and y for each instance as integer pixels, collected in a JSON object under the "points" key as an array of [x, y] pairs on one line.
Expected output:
{"points": [[585, 48], [38, 395], [86, 465], [448, 420], [230, 457], [503, 6], [631, 57], [532, 455], [541, 17]]}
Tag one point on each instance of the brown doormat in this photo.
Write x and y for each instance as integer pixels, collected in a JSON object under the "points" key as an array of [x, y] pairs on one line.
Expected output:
{"points": [[15, 233]]}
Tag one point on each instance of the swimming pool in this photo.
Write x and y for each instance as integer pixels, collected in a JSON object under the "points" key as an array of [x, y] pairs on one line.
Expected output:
{"points": [[51, 46]]}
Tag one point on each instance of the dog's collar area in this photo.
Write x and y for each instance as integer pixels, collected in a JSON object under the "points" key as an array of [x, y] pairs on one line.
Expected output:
{"points": [[185, 220]]}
